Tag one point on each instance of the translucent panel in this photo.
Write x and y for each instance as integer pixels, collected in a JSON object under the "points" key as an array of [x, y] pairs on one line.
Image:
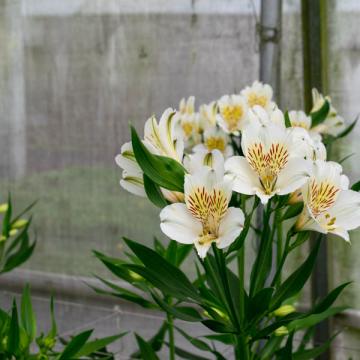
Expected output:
{"points": [[73, 74]]}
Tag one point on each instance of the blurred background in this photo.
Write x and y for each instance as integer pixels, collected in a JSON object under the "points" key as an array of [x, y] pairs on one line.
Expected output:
{"points": [[74, 73]]}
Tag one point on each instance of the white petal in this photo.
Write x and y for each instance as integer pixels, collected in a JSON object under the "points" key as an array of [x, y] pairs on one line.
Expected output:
{"points": [[293, 176], [245, 179], [202, 249], [133, 187], [178, 224], [342, 233], [230, 227]]}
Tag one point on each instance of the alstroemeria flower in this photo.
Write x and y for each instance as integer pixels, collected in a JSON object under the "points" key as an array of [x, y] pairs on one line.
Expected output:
{"points": [[273, 162], [259, 94], [164, 138], [215, 139], [205, 218], [329, 207], [300, 119], [213, 159], [132, 175], [232, 113], [208, 113], [189, 119], [260, 115], [334, 124]]}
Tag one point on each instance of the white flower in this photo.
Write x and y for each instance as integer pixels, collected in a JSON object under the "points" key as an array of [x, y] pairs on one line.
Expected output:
{"points": [[164, 138], [213, 159], [334, 124], [189, 119], [205, 218], [232, 113], [264, 117], [208, 113], [329, 207], [300, 119], [215, 139], [259, 94], [132, 176], [273, 162]]}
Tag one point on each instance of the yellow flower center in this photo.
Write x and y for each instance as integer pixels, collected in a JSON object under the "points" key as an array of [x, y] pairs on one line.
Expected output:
{"points": [[322, 196], [215, 142], [209, 208], [232, 114], [267, 164], [301, 124], [188, 128], [255, 99]]}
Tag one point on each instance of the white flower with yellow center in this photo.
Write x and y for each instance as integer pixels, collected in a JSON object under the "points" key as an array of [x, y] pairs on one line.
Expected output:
{"points": [[213, 159], [189, 119], [205, 218], [300, 119], [164, 138], [257, 114], [334, 124], [273, 162], [232, 113], [132, 175], [215, 139], [259, 94], [329, 207]]}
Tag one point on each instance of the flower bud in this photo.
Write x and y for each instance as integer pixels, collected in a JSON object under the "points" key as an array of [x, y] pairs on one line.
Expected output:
{"points": [[284, 310], [4, 207], [13, 232], [18, 224], [2, 238], [281, 331]]}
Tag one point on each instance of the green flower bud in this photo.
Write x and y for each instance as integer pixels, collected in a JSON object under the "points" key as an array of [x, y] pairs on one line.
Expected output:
{"points": [[13, 232], [18, 224], [281, 331], [4, 207], [284, 310], [2, 238]]}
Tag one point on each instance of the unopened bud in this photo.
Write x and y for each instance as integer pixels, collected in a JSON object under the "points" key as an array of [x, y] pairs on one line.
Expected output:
{"points": [[13, 232], [4, 207], [284, 310], [281, 331], [135, 276], [18, 224], [2, 238]]}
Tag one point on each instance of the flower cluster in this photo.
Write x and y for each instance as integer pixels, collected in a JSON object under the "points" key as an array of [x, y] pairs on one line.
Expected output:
{"points": [[244, 144]]}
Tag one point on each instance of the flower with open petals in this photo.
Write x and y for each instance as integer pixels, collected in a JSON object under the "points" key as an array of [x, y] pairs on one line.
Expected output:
{"points": [[232, 113], [300, 119], [272, 164], [208, 113], [215, 139], [259, 94], [329, 207], [334, 124], [164, 138], [213, 159], [205, 218], [189, 119]]}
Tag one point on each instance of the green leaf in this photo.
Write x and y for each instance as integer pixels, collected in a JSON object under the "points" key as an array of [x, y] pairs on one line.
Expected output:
{"points": [[348, 129], [183, 252], [324, 304], [293, 210], [163, 171], [300, 239], [296, 281], [171, 252], [28, 319], [356, 186], [270, 347], [98, 344], [75, 345], [314, 319], [319, 116], [186, 354], [342, 160], [6, 226], [153, 192], [198, 343], [163, 270], [185, 313], [146, 350], [287, 119], [53, 330], [313, 353], [14, 332], [218, 327], [260, 302]]}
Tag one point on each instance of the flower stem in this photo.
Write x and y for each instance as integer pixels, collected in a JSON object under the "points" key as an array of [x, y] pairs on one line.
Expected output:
{"points": [[170, 321], [279, 243]]}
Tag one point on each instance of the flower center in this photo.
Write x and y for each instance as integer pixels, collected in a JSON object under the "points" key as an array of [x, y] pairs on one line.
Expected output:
{"points": [[232, 114], [267, 164], [187, 127], [215, 142], [322, 196], [209, 208], [255, 99]]}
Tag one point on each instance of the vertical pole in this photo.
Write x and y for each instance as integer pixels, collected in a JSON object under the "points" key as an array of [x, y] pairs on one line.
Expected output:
{"points": [[270, 63], [314, 26]]}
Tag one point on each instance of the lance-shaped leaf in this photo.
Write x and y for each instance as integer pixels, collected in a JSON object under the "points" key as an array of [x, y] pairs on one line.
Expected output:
{"points": [[293, 210], [14, 332], [153, 192], [296, 281], [28, 319], [146, 350], [319, 116], [75, 345], [163, 271], [356, 186], [164, 171]]}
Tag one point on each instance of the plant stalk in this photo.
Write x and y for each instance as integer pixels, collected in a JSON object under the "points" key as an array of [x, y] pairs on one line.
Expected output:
{"points": [[170, 321]]}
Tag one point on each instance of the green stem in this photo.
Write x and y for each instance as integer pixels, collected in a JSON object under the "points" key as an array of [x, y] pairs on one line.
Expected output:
{"points": [[170, 321], [241, 274], [279, 243], [242, 348]]}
